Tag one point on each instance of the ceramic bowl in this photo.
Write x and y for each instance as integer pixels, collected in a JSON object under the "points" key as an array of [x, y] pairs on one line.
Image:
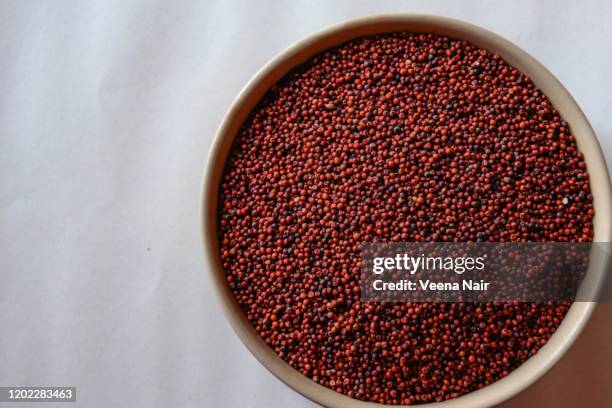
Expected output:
{"points": [[579, 313]]}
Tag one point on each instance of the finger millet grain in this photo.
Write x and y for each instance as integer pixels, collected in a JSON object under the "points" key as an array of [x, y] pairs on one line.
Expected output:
{"points": [[397, 137]]}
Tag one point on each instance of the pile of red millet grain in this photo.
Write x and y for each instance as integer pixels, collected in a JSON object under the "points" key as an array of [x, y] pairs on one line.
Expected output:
{"points": [[398, 137]]}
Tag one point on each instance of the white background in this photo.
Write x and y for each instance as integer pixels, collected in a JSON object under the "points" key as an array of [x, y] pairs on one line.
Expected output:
{"points": [[107, 111]]}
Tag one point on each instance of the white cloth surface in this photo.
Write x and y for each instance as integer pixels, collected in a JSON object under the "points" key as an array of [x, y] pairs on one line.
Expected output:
{"points": [[107, 111]]}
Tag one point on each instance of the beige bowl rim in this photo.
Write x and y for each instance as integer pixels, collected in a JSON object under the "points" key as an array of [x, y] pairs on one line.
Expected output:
{"points": [[579, 313]]}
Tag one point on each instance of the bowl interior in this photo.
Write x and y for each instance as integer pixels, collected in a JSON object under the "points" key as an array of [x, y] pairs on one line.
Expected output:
{"points": [[579, 312]]}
